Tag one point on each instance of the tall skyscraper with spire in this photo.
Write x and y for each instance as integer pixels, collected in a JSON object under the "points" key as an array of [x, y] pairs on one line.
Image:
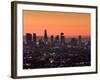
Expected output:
{"points": [[45, 37]]}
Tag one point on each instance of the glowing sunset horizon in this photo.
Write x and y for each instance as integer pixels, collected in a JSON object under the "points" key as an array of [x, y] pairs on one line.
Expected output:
{"points": [[71, 24]]}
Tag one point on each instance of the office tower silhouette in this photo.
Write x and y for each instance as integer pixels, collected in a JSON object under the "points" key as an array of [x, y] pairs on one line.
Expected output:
{"points": [[40, 43], [73, 41], [45, 37], [80, 39], [28, 38], [52, 40], [62, 38], [57, 40], [34, 39]]}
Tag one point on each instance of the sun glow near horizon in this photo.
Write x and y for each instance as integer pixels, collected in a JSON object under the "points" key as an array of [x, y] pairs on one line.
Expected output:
{"points": [[71, 24]]}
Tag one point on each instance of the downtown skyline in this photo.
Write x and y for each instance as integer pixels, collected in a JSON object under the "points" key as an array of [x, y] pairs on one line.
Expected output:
{"points": [[55, 51]]}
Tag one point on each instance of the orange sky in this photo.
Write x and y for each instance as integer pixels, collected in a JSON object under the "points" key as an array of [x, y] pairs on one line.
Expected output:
{"points": [[72, 24]]}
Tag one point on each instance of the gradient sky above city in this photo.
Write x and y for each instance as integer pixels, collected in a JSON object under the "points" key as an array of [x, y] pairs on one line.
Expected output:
{"points": [[71, 24]]}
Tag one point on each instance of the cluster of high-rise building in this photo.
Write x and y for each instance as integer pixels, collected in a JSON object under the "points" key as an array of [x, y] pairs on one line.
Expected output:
{"points": [[45, 40], [55, 51], [58, 40]]}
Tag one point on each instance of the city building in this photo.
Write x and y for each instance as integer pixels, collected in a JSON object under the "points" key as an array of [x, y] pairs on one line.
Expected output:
{"points": [[52, 40], [28, 38], [45, 37], [62, 38], [34, 39]]}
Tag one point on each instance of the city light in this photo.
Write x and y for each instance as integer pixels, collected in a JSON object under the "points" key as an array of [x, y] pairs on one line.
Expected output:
{"points": [[55, 51]]}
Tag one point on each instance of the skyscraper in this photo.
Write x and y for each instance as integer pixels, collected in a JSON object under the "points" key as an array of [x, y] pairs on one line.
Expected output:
{"points": [[40, 43], [79, 42], [45, 37], [73, 41], [28, 38], [52, 40], [62, 38], [80, 38], [34, 39], [57, 40]]}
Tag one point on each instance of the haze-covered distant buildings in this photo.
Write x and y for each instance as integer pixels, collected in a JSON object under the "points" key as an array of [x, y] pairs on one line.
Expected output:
{"points": [[55, 51]]}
